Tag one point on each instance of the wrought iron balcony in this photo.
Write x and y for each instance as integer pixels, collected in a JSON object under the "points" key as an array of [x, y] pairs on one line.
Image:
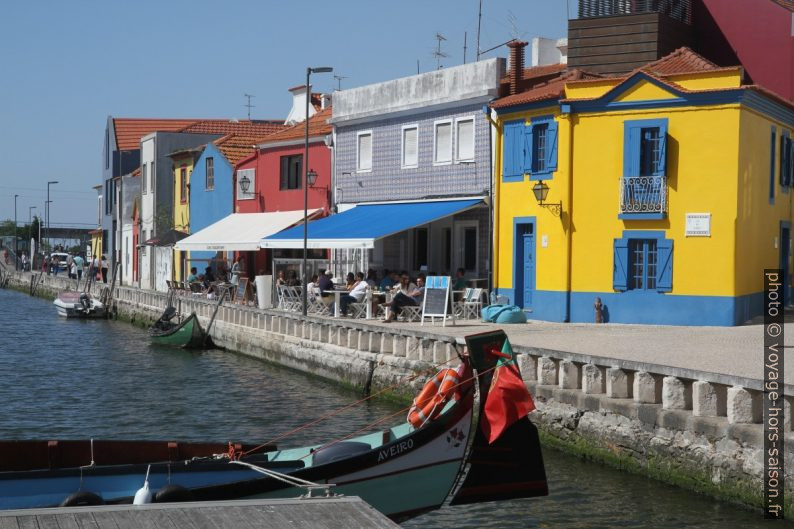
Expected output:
{"points": [[643, 195]]}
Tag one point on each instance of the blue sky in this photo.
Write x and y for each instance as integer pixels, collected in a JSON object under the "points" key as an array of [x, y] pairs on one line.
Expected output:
{"points": [[66, 66]]}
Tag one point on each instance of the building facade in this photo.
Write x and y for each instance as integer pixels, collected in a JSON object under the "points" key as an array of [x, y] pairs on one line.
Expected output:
{"points": [[666, 195], [419, 138]]}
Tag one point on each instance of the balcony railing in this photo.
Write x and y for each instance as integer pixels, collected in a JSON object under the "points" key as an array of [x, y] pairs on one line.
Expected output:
{"points": [[643, 195], [676, 9]]}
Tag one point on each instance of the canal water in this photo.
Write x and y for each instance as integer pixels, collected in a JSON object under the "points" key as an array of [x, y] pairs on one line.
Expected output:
{"points": [[102, 379]]}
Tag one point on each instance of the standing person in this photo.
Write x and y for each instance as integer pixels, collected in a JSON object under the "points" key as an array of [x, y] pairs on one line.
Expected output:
{"points": [[78, 260], [24, 262], [56, 265], [235, 270], [104, 265], [45, 264], [96, 267], [69, 261], [73, 270]]}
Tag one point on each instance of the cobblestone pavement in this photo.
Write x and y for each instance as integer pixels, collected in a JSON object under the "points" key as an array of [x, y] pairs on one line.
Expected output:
{"points": [[734, 351]]}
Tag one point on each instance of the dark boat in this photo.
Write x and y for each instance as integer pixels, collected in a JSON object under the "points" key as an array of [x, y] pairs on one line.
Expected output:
{"points": [[402, 471], [186, 333]]}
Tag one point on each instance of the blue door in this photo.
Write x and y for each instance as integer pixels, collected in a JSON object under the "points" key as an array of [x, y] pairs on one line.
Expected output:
{"points": [[525, 265]]}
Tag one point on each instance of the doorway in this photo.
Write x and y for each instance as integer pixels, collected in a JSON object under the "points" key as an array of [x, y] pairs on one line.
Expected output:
{"points": [[524, 273], [466, 246]]}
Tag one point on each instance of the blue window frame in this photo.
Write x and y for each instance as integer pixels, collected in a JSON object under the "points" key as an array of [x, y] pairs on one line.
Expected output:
{"points": [[541, 143], [772, 146], [645, 147], [643, 261], [785, 159]]}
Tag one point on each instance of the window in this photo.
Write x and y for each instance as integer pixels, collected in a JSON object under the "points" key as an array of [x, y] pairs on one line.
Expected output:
{"points": [[410, 151], [291, 172], [785, 159], [183, 184], [209, 166], [539, 133], [642, 257], [364, 151], [442, 142], [643, 261], [644, 147], [144, 179], [151, 176], [465, 139]]}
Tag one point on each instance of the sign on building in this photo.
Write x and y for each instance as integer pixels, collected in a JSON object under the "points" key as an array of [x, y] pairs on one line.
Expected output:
{"points": [[698, 225]]}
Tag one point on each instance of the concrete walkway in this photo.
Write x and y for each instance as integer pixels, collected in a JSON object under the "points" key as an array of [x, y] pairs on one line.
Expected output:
{"points": [[733, 351]]}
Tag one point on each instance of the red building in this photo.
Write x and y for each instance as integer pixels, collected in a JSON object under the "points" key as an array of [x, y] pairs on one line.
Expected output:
{"points": [[271, 180]]}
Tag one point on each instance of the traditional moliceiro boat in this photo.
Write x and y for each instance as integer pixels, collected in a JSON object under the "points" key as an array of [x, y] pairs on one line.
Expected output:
{"points": [[74, 304], [186, 333], [441, 453]]}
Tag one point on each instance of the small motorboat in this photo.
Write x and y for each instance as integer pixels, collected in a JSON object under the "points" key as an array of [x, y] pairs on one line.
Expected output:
{"points": [[186, 333], [74, 304], [439, 454]]}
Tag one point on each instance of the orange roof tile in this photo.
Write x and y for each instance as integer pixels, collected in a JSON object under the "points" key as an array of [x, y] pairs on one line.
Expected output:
{"points": [[137, 172], [254, 127], [548, 90], [235, 147], [788, 4], [682, 60], [129, 131], [318, 126]]}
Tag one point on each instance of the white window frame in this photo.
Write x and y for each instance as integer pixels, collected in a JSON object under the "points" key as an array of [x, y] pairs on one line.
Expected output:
{"points": [[403, 165], [451, 140], [144, 179], [458, 159], [371, 149]]}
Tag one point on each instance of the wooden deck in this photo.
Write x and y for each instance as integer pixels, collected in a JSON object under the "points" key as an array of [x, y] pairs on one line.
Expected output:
{"points": [[316, 513]]}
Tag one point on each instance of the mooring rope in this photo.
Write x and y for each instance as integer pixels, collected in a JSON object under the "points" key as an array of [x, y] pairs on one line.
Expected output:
{"points": [[346, 407]]}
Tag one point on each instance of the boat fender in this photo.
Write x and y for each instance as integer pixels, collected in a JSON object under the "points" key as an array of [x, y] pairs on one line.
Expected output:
{"points": [[433, 397], [81, 498], [173, 493], [144, 494]]}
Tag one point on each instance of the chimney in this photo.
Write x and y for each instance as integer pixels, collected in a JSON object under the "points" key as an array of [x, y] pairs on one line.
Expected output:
{"points": [[325, 101], [298, 111], [516, 63]]}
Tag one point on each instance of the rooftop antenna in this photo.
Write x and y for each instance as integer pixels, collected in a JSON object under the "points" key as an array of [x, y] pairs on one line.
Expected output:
{"points": [[249, 105], [479, 24], [339, 80], [438, 54], [464, 47], [417, 66]]}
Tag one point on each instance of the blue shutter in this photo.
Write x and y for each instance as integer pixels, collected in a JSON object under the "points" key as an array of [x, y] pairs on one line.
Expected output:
{"points": [[664, 265], [526, 161], [662, 151], [772, 168], [783, 136], [631, 150], [789, 156], [551, 147], [620, 269], [513, 150]]}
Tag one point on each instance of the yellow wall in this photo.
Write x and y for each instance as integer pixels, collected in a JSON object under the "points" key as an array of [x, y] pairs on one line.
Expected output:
{"points": [[758, 222], [181, 209]]}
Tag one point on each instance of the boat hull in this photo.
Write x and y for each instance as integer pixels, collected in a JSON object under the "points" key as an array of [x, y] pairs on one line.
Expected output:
{"points": [[188, 334], [69, 305]]}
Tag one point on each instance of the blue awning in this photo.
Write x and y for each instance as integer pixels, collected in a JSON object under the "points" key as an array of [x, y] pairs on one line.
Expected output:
{"points": [[361, 226]]}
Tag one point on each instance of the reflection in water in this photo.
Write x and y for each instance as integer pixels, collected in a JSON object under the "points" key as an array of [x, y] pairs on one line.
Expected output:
{"points": [[80, 379]]}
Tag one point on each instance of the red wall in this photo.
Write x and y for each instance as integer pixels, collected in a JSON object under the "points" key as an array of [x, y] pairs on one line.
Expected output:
{"points": [[268, 176], [757, 32], [269, 197]]}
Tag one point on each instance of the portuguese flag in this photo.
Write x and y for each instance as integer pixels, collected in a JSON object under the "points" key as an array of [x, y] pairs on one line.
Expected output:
{"points": [[508, 399]]}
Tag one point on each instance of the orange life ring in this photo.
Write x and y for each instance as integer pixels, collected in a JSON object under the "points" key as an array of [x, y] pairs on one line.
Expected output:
{"points": [[433, 397]]}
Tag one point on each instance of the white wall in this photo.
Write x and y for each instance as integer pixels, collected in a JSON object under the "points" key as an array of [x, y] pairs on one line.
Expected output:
{"points": [[147, 213]]}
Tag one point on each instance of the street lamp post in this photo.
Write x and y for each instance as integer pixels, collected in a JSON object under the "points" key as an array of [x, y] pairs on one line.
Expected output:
{"points": [[48, 210], [16, 239], [309, 72]]}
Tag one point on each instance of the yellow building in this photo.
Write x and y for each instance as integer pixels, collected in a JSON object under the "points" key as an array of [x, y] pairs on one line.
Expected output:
{"points": [[668, 192], [182, 163]]}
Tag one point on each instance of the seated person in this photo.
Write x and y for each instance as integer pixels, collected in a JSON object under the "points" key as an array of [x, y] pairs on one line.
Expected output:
{"points": [[372, 278], [357, 293], [389, 280], [311, 286], [280, 280], [406, 294], [459, 283], [193, 277], [350, 280], [293, 281]]}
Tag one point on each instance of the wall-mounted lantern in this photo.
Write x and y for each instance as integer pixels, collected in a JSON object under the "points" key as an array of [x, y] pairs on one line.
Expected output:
{"points": [[541, 191]]}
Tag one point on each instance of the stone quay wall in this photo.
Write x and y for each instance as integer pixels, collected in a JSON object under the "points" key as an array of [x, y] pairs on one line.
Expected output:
{"points": [[701, 431]]}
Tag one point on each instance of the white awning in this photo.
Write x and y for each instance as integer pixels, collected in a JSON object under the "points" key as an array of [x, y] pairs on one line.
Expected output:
{"points": [[241, 232]]}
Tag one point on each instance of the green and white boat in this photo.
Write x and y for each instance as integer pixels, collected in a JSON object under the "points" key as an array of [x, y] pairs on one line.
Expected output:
{"points": [[186, 333]]}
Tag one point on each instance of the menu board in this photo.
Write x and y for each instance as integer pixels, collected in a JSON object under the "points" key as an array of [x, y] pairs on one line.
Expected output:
{"points": [[437, 299]]}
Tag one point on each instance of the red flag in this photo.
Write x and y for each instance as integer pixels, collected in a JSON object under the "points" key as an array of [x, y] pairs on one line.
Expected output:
{"points": [[508, 399]]}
